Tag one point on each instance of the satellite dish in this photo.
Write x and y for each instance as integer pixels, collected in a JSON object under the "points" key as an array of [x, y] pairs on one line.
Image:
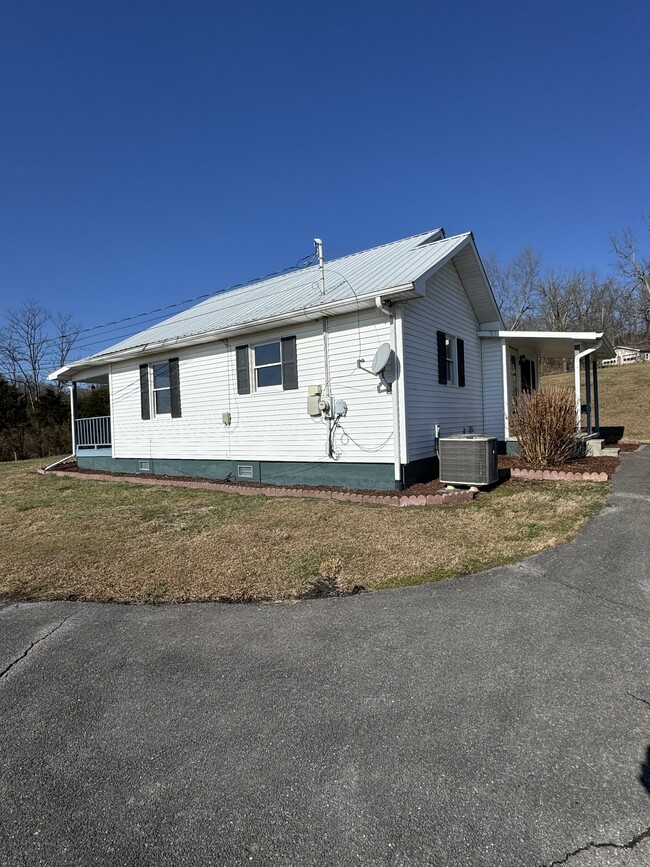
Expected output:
{"points": [[381, 359]]}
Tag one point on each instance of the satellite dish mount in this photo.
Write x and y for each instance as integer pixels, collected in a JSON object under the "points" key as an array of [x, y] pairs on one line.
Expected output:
{"points": [[383, 366]]}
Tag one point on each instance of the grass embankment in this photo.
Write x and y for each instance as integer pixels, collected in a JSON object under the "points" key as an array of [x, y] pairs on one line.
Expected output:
{"points": [[624, 394], [63, 538]]}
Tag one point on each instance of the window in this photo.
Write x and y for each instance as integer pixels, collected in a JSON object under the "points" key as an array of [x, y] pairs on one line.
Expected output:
{"points": [[449, 357], [162, 392], [268, 364], [451, 360], [160, 381], [514, 382], [272, 364]]}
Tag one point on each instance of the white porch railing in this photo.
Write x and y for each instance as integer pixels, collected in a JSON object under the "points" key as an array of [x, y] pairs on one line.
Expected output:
{"points": [[93, 433]]}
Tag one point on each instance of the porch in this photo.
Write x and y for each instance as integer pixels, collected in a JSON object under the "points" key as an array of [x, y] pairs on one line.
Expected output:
{"points": [[93, 434], [521, 355]]}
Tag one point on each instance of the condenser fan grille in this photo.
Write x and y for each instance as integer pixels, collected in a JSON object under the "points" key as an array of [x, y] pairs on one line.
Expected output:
{"points": [[468, 460]]}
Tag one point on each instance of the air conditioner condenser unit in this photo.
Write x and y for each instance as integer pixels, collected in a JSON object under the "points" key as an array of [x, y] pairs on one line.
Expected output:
{"points": [[468, 459]]}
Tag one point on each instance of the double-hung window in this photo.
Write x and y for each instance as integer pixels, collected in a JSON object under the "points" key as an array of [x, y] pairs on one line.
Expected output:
{"points": [[451, 360], [450, 346], [267, 359], [160, 391], [271, 364]]}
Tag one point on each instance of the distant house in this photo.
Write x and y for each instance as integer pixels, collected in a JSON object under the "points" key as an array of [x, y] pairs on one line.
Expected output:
{"points": [[342, 374], [627, 355]]}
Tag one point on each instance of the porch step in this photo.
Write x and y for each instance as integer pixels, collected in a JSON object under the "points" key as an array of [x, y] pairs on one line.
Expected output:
{"points": [[594, 447], [610, 452]]}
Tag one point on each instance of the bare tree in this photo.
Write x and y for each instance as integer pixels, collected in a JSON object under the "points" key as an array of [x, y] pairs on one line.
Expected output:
{"points": [[516, 287], [32, 343], [65, 335], [24, 347], [634, 268]]}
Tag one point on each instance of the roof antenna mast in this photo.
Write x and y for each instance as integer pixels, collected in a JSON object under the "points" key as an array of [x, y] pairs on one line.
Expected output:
{"points": [[318, 244]]}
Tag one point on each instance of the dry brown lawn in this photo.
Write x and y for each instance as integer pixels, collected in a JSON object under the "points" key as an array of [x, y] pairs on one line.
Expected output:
{"points": [[63, 538], [624, 397]]}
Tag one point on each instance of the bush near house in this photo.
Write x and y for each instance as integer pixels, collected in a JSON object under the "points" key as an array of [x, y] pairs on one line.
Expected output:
{"points": [[544, 422]]}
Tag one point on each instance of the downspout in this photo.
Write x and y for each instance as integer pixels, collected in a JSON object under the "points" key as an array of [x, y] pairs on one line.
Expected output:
{"points": [[72, 386], [326, 390], [318, 244], [577, 358], [397, 458]]}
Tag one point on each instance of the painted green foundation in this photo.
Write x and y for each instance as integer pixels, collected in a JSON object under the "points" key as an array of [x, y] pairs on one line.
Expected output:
{"points": [[372, 476], [420, 471]]}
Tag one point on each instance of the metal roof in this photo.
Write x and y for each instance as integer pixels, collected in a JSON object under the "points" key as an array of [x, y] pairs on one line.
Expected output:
{"points": [[555, 344], [352, 281]]}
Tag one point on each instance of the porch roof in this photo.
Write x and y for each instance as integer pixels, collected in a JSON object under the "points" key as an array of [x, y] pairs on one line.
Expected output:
{"points": [[555, 344]]}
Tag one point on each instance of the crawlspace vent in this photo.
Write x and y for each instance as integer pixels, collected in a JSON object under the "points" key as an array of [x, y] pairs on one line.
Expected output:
{"points": [[245, 472]]}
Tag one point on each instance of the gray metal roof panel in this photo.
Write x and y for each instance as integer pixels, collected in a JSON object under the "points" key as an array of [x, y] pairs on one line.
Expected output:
{"points": [[358, 274]]}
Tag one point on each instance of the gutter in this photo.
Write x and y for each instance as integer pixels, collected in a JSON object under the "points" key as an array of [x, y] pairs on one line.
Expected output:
{"points": [[295, 316]]}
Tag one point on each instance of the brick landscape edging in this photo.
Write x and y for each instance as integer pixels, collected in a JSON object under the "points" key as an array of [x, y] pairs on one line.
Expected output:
{"points": [[557, 476], [449, 498]]}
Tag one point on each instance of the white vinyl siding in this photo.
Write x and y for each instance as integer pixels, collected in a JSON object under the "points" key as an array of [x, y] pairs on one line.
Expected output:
{"points": [[492, 387], [445, 307], [267, 424]]}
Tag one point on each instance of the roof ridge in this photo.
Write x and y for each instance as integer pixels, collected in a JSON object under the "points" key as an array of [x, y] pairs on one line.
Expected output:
{"points": [[387, 244], [287, 272]]}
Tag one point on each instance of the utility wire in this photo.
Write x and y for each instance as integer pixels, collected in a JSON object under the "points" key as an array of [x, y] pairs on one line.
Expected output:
{"points": [[224, 307], [302, 264]]}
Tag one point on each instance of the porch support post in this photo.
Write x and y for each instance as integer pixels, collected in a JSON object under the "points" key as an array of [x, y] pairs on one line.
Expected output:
{"points": [[596, 408], [506, 401], [73, 415], [576, 381], [588, 392]]}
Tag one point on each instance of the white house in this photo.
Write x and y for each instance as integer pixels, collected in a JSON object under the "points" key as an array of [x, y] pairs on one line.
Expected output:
{"points": [[343, 373], [627, 355]]}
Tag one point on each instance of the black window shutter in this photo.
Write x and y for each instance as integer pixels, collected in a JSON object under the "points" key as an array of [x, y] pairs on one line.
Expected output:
{"points": [[289, 363], [442, 358], [460, 352], [243, 370], [175, 387], [144, 391]]}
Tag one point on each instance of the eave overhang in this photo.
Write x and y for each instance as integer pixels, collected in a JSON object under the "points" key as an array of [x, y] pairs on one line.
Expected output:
{"points": [[80, 370]]}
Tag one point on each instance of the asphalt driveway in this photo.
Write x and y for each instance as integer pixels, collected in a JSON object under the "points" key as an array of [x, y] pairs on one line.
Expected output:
{"points": [[498, 719]]}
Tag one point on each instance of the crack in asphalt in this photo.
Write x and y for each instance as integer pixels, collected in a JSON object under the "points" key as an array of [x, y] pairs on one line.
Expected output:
{"points": [[5, 671], [643, 700], [630, 844], [617, 603]]}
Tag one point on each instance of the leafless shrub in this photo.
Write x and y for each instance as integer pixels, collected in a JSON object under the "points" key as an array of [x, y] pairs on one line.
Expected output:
{"points": [[544, 422]]}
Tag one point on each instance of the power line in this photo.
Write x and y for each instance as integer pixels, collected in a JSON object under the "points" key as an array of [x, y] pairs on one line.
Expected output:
{"points": [[224, 307], [302, 264]]}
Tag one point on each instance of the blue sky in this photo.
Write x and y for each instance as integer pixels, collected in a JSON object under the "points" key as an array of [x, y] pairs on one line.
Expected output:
{"points": [[154, 151]]}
